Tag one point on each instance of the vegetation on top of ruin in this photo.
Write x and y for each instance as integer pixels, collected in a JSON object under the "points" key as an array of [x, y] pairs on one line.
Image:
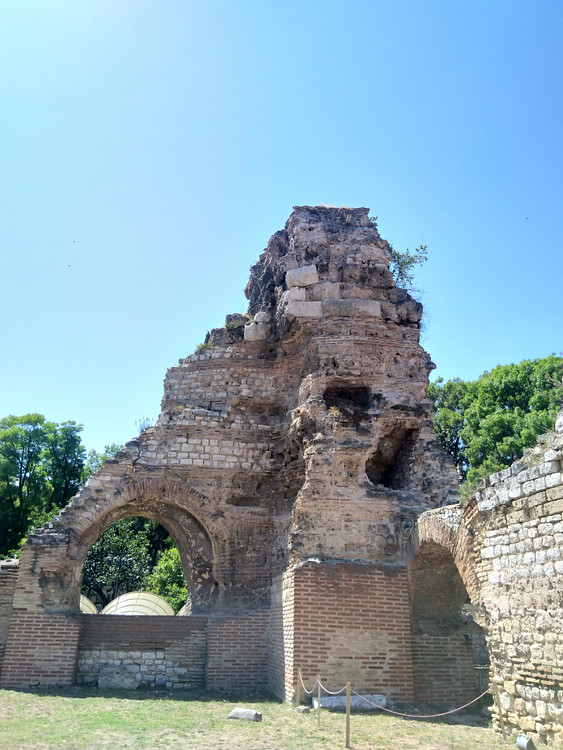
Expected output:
{"points": [[403, 264], [487, 424]]}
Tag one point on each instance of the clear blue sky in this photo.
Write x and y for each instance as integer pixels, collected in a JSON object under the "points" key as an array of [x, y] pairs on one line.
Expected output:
{"points": [[148, 151]]}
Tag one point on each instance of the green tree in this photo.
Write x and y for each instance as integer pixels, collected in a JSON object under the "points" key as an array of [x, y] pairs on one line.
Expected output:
{"points": [[40, 470], [402, 265], [119, 561], [167, 579], [96, 460], [486, 424]]}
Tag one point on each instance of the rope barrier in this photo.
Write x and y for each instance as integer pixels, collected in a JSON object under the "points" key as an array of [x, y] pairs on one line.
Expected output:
{"points": [[421, 716], [338, 692], [312, 690], [318, 682], [389, 710], [348, 688]]}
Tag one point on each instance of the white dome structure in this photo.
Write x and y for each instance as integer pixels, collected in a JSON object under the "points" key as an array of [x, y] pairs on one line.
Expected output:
{"points": [[138, 603]]}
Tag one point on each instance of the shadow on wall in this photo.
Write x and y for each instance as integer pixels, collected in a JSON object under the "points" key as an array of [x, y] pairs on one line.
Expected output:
{"points": [[450, 656]]}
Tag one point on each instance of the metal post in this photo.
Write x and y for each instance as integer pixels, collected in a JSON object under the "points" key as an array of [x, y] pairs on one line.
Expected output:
{"points": [[348, 701], [319, 700]]}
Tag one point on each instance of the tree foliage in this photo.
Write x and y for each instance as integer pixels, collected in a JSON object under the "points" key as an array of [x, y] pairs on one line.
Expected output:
{"points": [[41, 465], [96, 460], [486, 424], [167, 579], [402, 265], [131, 555], [119, 561]]}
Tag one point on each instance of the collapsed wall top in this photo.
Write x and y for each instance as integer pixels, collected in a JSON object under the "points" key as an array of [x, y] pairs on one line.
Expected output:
{"points": [[326, 262]]}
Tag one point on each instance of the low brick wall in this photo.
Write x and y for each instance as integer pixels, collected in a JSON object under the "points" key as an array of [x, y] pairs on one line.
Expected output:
{"points": [[41, 650], [124, 651]]}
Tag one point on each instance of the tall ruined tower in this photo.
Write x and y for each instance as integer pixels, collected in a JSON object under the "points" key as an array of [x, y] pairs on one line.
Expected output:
{"points": [[291, 458]]}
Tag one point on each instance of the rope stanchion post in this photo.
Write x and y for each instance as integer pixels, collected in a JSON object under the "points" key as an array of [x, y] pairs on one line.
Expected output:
{"points": [[298, 692], [348, 702], [319, 700], [499, 709]]}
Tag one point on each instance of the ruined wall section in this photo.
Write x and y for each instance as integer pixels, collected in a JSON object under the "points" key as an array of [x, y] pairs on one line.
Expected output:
{"points": [[300, 430], [8, 577], [361, 422], [517, 524]]}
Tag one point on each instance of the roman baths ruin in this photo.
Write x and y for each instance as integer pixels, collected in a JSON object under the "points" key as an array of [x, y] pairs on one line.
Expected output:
{"points": [[296, 466]]}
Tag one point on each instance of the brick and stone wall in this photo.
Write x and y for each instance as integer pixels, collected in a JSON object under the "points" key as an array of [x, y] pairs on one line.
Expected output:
{"points": [[351, 623], [517, 524], [303, 430], [142, 651], [8, 577]]}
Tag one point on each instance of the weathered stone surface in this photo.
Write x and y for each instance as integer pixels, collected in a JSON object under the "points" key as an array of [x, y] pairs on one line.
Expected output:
{"points": [[304, 276], [117, 678], [363, 702], [248, 714], [301, 430]]}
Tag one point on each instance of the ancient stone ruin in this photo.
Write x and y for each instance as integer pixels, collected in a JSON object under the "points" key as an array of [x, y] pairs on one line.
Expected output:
{"points": [[296, 466]]}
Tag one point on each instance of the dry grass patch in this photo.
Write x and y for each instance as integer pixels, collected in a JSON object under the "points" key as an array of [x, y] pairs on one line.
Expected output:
{"points": [[80, 719]]}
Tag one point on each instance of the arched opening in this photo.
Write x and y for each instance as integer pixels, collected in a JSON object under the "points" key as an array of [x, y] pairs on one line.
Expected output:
{"points": [[163, 531], [450, 657], [134, 554]]}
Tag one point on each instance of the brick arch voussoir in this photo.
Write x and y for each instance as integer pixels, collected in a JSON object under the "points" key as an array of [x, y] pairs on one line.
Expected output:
{"points": [[456, 538], [87, 526]]}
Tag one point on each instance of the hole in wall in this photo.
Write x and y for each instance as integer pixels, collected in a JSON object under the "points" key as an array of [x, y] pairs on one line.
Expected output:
{"points": [[390, 463], [351, 403]]}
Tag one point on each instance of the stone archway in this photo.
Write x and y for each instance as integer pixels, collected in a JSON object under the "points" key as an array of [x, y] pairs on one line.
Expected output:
{"points": [[46, 623], [450, 657], [190, 537]]}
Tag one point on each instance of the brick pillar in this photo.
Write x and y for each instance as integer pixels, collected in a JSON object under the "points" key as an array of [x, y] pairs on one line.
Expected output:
{"points": [[41, 650], [352, 623]]}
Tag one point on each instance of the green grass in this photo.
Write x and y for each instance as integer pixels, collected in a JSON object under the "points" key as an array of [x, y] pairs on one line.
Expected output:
{"points": [[76, 719]]}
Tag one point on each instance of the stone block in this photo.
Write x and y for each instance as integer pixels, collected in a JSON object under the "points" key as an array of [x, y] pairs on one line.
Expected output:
{"points": [[256, 331], [364, 702], [304, 276], [351, 307], [304, 310], [111, 678], [249, 714]]}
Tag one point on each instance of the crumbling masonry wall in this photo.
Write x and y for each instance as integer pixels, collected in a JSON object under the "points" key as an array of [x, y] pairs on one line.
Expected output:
{"points": [[507, 547], [296, 466], [517, 526], [301, 431]]}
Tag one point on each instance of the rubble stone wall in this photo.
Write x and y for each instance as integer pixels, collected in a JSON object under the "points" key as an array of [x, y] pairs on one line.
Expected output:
{"points": [[517, 524]]}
